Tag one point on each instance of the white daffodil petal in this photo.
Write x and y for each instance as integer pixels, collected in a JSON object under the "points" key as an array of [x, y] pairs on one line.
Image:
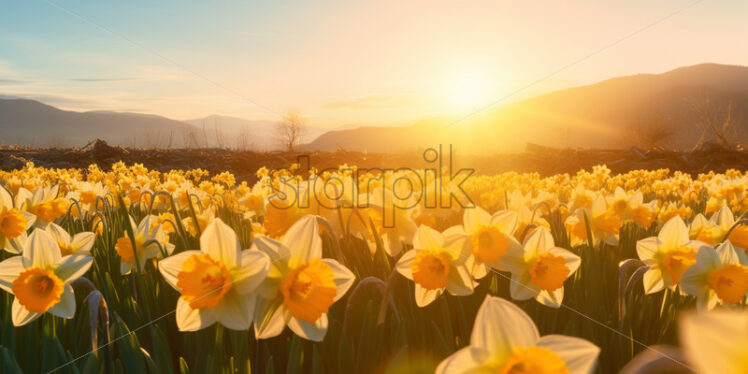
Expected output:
{"points": [[73, 267], [311, 331], [506, 221], [653, 281], [189, 319], [551, 299], [270, 317], [253, 268], [646, 248], [425, 297], [580, 355], [500, 326], [172, 265], [83, 242], [21, 315], [427, 238], [220, 242], [459, 282], [673, 233], [58, 233], [343, 277], [66, 307], [539, 241], [522, 288], [303, 241], [715, 342], [403, 265], [41, 250], [235, 311], [465, 360], [273, 248], [474, 218], [9, 271]]}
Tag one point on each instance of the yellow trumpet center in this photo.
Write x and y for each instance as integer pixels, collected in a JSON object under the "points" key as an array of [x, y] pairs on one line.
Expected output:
{"points": [[643, 216], [203, 281], [125, 251], [677, 261], [489, 244], [431, 269], [533, 360], [309, 290], [45, 211], [608, 222], [38, 289], [549, 271], [711, 235], [12, 223], [739, 237], [730, 282]]}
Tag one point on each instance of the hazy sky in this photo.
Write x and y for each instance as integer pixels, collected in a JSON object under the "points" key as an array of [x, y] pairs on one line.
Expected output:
{"points": [[342, 62]]}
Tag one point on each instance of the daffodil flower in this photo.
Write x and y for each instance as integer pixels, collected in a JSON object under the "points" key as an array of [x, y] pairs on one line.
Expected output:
{"points": [[668, 255], [300, 286], [539, 269], [398, 233], [78, 244], [40, 279], [505, 340], [719, 276], [149, 241], [43, 203], [711, 231], [217, 282], [489, 238], [716, 342], [436, 265], [604, 224], [13, 223]]}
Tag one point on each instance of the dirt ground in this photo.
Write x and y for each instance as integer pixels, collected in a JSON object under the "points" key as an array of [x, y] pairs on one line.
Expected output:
{"points": [[243, 164]]}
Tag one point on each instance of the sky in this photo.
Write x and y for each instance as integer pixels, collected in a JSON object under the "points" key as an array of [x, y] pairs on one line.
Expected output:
{"points": [[345, 62]]}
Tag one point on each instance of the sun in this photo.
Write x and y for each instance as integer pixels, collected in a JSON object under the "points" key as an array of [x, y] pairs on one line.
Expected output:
{"points": [[466, 90]]}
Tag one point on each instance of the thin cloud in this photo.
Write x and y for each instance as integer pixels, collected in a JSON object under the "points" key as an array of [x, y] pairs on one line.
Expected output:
{"points": [[369, 102], [12, 82], [102, 79]]}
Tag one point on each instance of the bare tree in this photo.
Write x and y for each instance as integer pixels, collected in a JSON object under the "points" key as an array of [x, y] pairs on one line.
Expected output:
{"points": [[719, 119], [654, 132], [291, 131]]}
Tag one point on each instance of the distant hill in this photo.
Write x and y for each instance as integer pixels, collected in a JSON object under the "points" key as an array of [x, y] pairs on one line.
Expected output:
{"points": [[243, 133], [30, 122], [646, 109]]}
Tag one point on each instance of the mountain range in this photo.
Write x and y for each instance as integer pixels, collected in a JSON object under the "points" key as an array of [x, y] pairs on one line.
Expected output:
{"points": [[677, 109], [672, 109]]}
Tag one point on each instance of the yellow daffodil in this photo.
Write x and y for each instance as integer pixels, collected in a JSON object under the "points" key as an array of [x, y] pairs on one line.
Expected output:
{"points": [[13, 223], [218, 282], [393, 220], [716, 342], [43, 203], [603, 222], [40, 279], [300, 286], [539, 269], [149, 242], [436, 265], [488, 236], [505, 340], [719, 276], [80, 243], [668, 255], [712, 231]]}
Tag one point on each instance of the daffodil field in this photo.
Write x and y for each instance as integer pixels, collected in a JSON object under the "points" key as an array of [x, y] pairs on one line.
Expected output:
{"points": [[131, 270]]}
